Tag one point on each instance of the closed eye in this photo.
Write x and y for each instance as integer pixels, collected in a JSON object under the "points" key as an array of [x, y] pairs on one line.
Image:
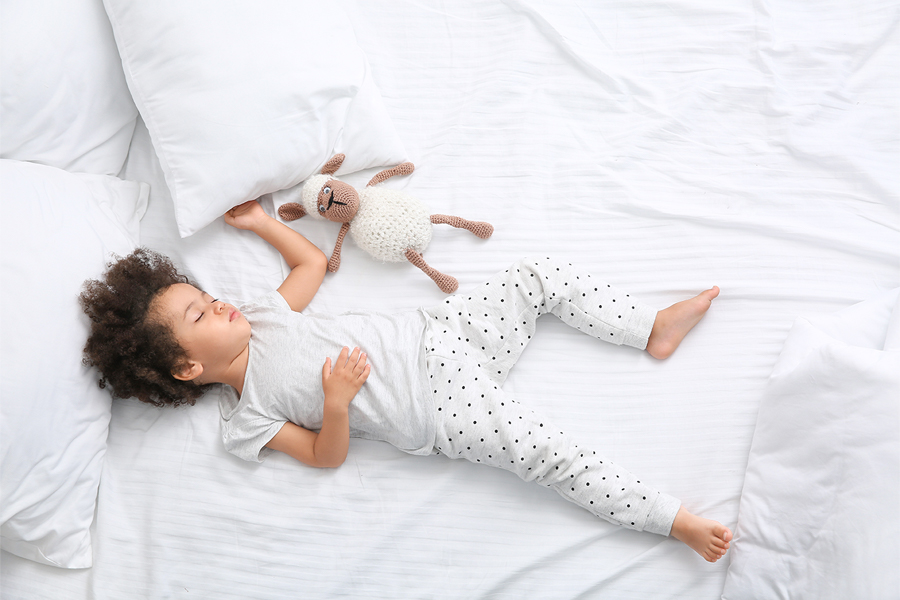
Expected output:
{"points": [[200, 316]]}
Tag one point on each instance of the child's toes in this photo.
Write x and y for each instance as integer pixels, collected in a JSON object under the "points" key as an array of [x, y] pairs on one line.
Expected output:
{"points": [[726, 534], [722, 534]]}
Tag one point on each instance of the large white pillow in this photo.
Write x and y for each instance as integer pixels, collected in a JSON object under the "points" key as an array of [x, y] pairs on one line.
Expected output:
{"points": [[64, 101], [819, 510], [246, 98], [57, 230]]}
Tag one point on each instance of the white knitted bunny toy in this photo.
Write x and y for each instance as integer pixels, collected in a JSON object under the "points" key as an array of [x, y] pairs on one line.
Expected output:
{"points": [[390, 225]]}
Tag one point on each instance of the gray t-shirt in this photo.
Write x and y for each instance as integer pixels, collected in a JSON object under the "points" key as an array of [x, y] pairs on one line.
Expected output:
{"points": [[284, 377]]}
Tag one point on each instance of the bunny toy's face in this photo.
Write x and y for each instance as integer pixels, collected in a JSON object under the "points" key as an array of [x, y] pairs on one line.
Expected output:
{"points": [[337, 201]]}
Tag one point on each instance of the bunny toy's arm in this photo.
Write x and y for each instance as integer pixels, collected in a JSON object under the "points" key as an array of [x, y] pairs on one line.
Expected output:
{"points": [[402, 169], [335, 261], [291, 211]]}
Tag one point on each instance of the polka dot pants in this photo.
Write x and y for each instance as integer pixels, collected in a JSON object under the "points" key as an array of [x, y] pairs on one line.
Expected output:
{"points": [[472, 342]]}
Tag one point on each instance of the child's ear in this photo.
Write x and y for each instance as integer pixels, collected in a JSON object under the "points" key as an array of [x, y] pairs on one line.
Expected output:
{"points": [[189, 371]]}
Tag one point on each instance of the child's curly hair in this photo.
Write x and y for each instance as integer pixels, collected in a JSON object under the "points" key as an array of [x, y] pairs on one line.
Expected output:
{"points": [[134, 349]]}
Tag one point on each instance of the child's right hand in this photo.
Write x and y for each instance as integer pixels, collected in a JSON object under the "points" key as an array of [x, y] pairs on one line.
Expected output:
{"points": [[342, 383], [248, 215]]}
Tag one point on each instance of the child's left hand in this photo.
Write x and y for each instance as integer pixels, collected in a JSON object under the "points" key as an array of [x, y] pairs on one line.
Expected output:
{"points": [[341, 383], [248, 215]]}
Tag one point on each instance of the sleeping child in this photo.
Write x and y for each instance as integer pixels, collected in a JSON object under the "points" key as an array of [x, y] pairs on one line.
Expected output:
{"points": [[426, 381]]}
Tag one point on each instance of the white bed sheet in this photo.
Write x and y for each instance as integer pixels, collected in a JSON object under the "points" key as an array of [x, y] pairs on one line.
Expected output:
{"points": [[665, 146]]}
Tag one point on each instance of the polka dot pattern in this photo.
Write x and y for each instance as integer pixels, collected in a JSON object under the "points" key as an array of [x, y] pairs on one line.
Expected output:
{"points": [[498, 318], [484, 425], [472, 342]]}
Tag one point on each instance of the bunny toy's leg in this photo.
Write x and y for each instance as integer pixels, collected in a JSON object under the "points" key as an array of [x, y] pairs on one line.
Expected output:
{"points": [[479, 228], [447, 283]]}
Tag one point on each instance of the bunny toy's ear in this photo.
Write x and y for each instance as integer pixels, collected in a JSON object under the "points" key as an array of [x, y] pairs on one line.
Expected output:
{"points": [[333, 164]]}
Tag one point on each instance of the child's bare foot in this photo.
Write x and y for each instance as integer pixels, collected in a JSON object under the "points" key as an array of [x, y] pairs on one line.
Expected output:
{"points": [[673, 323], [709, 539]]}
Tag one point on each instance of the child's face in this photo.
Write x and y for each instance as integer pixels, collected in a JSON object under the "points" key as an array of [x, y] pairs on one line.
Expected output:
{"points": [[212, 332]]}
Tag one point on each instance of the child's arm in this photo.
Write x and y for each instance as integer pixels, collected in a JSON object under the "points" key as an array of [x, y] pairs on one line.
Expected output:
{"points": [[307, 263], [328, 448]]}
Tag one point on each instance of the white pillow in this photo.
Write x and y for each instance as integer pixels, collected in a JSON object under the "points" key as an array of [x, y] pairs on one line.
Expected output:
{"points": [[818, 516], [246, 98], [57, 230], [64, 100]]}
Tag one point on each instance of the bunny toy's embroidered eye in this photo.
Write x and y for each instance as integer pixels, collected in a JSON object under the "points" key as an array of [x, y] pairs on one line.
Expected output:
{"points": [[321, 208], [326, 190]]}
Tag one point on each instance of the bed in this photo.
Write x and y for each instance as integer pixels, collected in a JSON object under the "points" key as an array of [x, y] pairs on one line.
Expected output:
{"points": [[667, 146]]}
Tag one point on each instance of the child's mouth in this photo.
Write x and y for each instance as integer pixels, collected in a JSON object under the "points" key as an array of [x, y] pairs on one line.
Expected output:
{"points": [[234, 315]]}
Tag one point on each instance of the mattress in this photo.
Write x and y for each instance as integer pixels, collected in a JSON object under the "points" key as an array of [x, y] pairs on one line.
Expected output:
{"points": [[666, 147]]}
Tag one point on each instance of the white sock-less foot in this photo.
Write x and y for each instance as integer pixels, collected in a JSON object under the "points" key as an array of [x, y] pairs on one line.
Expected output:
{"points": [[710, 539], [673, 323]]}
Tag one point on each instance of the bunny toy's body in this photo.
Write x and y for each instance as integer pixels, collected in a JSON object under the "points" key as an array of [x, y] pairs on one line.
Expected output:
{"points": [[390, 222], [390, 225]]}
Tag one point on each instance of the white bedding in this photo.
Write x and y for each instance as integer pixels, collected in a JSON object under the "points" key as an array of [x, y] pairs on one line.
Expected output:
{"points": [[819, 511], [665, 146]]}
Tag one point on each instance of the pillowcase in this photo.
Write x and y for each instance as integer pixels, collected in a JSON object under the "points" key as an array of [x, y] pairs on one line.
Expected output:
{"points": [[64, 100], [818, 515], [58, 229], [248, 98]]}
